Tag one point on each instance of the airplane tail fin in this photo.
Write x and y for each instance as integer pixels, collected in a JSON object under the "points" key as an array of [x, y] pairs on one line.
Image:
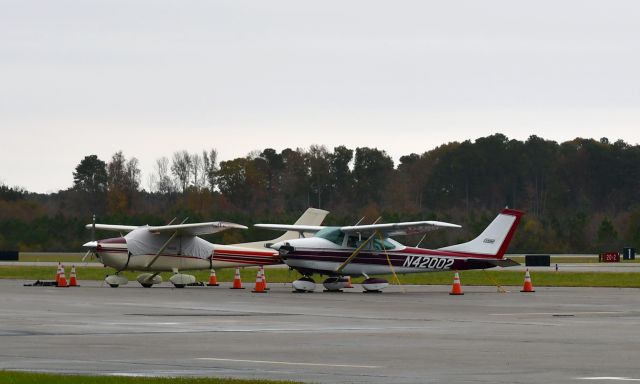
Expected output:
{"points": [[495, 239], [312, 216]]}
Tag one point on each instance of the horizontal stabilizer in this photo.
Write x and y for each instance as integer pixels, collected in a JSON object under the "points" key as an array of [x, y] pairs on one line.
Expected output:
{"points": [[490, 263]]}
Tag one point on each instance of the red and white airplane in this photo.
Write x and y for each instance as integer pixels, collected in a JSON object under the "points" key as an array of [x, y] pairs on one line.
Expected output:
{"points": [[363, 250], [177, 247]]}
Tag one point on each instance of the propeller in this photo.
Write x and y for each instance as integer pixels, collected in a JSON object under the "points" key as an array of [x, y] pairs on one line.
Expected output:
{"points": [[284, 249]]}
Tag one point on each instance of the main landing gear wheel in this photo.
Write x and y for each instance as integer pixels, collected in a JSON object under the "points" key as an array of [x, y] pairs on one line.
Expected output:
{"points": [[374, 285], [304, 285], [115, 281], [148, 280], [180, 280], [335, 283]]}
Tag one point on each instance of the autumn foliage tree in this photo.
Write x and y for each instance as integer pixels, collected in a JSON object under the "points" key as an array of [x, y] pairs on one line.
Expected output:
{"points": [[581, 195]]}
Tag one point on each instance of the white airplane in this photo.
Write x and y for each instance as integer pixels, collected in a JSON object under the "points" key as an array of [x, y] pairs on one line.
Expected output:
{"points": [[177, 247], [363, 250]]}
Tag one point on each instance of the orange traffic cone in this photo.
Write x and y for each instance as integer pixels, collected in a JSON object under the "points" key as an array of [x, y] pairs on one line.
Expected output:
{"points": [[260, 288], [62, 280], [73, 281], [349, 285], [213, 280], [58, 272], [456, 289], [528, 286], [264, 278], [237, 281]]}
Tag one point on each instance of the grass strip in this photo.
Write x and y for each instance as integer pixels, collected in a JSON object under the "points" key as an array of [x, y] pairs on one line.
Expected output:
{"points": [[65, 257], [281, 275], [11, 377], [539, 278]]}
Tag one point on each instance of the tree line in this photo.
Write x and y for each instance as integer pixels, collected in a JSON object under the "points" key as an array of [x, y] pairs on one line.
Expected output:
{"points": [[579, 196]]}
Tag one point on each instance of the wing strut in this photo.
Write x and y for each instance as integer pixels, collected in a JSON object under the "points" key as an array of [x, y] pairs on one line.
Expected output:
{"points": [[93, 237], [393, 271], [356, 252], [164, 246], [421, 240]]}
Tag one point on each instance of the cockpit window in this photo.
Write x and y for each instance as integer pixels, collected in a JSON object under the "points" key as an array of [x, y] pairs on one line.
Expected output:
{"points": [[354, 241], [334, 235], [375, 244], [379, 245]]}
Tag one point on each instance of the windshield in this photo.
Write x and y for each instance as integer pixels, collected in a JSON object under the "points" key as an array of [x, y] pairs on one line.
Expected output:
{"points": [[333, 234]]}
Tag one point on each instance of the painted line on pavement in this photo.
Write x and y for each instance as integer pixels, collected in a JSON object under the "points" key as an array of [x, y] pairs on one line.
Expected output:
{"points": [[559, 313], [288, 363]]}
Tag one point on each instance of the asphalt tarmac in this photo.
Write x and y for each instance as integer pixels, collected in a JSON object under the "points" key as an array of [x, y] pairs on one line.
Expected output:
{"points": [[422, 335]]}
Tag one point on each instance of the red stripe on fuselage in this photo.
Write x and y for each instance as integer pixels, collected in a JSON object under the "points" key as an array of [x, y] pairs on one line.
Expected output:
{"points": [[247, 262], [243, 253]]}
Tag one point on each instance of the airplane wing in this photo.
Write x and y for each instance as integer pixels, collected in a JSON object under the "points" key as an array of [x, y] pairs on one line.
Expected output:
{"points": [[196, 229], [111, 227], [293, 227], [399, 229]]}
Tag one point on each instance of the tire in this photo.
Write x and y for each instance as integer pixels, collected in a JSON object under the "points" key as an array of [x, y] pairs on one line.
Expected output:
{"points": [[114, 285], [178, 285], [147, 285]]}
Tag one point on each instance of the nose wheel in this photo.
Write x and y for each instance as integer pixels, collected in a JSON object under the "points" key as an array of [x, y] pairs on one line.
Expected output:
{"points": [[374, 285]]}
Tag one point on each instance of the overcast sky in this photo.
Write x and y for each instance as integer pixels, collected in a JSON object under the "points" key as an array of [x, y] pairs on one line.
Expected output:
{"points": [[153, 77]]}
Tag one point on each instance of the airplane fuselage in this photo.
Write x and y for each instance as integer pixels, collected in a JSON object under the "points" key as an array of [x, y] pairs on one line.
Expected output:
{"points": [[374, 262], [116, 253]]}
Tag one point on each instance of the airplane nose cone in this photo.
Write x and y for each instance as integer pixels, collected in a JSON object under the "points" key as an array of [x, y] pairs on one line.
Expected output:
{"points": [[284, 248], [90, 244]]}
